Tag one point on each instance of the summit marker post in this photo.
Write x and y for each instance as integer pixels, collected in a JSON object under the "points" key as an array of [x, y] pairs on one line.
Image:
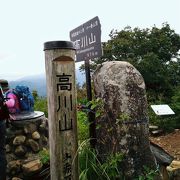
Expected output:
{"points": [[61, 95]]}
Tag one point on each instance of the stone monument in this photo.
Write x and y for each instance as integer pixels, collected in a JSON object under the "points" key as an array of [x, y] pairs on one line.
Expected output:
{"points": [[124, 123]]}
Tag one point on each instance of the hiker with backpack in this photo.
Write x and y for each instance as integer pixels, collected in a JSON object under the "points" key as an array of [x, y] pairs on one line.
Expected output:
{"points": [[12, 102]]}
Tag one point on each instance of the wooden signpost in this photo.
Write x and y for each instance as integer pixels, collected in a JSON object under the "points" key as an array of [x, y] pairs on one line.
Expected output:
{"points": [[87, 41], [61, 94]]}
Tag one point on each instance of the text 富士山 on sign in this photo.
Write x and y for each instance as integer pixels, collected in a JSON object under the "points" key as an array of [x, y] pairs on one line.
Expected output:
{"points": [[87, 40]]}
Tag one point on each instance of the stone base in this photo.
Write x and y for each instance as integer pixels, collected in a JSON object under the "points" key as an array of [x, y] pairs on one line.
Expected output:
{"points": [[26, 137]]}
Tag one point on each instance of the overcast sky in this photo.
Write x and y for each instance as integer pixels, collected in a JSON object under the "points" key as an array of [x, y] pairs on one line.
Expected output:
{"points": [[26, 24]]}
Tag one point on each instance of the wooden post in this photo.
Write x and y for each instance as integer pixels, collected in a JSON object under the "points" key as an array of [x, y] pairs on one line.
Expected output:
{"points": [[61, 95]]}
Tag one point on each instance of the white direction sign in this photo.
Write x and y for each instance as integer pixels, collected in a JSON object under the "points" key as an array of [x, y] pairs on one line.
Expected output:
{"points": [[163, 109]]}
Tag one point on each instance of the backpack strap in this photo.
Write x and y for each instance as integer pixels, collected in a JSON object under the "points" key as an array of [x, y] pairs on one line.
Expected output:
{"points": [[4, 113]]}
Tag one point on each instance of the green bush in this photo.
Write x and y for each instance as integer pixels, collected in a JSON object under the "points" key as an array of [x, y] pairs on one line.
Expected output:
{"points": [[41, 105], [175, 104], [166, 122], [83, 126], [91, 168], [149, 174], [44, 156]]}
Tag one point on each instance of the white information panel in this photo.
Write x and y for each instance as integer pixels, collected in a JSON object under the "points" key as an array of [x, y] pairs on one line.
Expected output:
{"points": [[162, 109]]}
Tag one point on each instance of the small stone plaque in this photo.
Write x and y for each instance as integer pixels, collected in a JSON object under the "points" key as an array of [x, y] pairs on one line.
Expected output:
{"points": [[162, 109]]}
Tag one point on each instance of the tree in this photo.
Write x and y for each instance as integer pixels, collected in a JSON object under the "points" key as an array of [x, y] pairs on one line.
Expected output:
{"points": [[35, 94], [154, 52]]}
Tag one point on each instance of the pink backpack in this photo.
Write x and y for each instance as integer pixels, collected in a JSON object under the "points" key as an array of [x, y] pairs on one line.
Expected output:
{"points": [[12, 102]]}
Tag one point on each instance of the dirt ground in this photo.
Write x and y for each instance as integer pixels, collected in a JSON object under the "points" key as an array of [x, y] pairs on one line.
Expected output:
{"points": [[170, 143]]}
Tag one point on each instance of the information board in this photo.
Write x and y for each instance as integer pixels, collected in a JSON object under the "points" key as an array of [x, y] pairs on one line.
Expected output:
{"points": [[163, 109]]}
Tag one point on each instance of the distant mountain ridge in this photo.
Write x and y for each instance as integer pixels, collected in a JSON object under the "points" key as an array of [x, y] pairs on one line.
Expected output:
{"points": [[38, 82]]}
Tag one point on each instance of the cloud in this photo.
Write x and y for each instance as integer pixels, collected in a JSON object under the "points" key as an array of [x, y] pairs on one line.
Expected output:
{"points": [[4, 56]]}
